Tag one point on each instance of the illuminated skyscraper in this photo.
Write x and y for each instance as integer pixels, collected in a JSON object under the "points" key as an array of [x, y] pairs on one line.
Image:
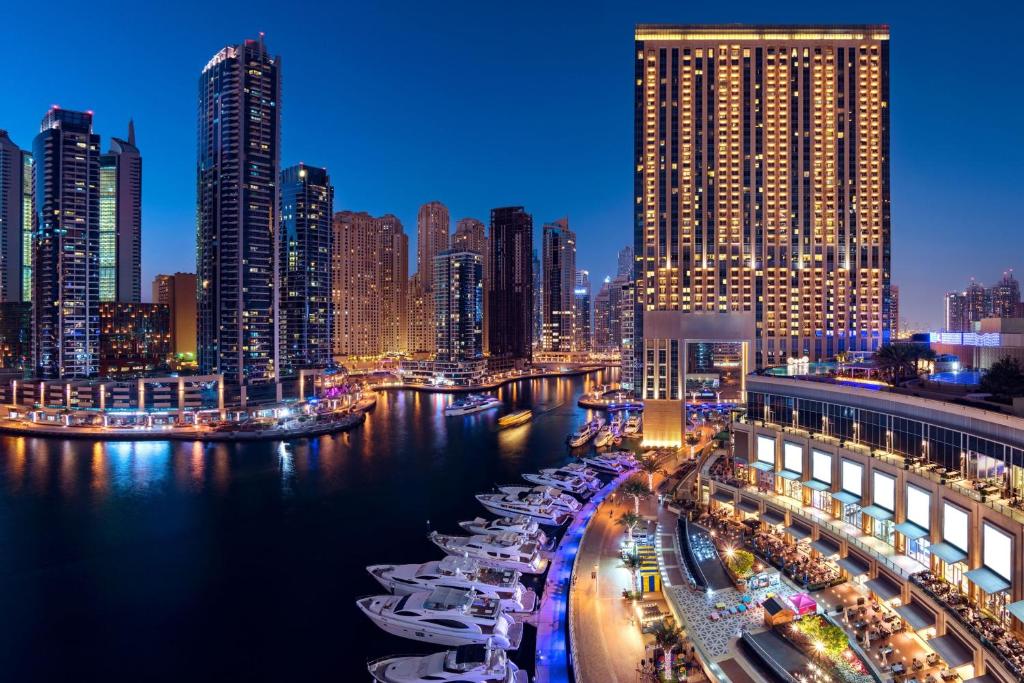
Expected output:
{"points": [[370, 266], [625, 262], [304, 302], [511, 286], [433, 224], [583, 329], [471, 235], [65, 273], [121, 221], [237, 215], [558, 251], [458, 305], [761, 198], [16, 209], [1005, 297]]}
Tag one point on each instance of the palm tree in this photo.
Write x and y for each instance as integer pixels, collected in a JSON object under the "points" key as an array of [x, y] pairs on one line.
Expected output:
{"points": [[629, 520], [898, 362], [632, 562], [668, 638], [649, 465], [636, 488]]}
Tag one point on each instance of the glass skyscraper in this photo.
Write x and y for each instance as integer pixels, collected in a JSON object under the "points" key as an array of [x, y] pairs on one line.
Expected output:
{"points": [[121, 221], [237, 175], [458, 305], [16, 209]]}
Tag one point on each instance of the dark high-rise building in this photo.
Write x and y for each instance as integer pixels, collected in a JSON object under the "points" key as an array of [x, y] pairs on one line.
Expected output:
{"points": [[602, 317], [582, 312], [304, 302], [135, 339], [471, 235], [16, 336], [458, 305], [1005, 297], [510, 328], [761, 187], [956, 312], [894, 312], [16, 210], [978, 302], [121, 221], [178, 293], [537, 321], [625, 263], [65, 259], [558, 248], [237, 221]]}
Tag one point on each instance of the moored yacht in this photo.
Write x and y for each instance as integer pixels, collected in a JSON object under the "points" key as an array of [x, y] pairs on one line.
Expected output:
{"points": [[560, 499], [465, 664], [506, 550], [616, 462], [447, 616], [539, 508], [633, 425], [585, 433], [464, 573], [604, 437], [474, 403], [567, 481], [518, 524]]}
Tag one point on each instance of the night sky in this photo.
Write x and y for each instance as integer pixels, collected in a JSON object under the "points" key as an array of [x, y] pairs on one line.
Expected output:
{"points": [[483, 104]]}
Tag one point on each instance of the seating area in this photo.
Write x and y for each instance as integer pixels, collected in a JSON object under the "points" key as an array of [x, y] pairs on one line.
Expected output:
{"points": [[993, 635], [795, 560]]}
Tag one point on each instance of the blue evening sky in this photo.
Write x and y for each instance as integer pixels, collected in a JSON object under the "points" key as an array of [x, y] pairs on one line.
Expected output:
{"points": [[483, 104]]}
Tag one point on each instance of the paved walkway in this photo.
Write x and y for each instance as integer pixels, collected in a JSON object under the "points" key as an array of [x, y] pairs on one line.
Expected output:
{"points": [[552, 659]]}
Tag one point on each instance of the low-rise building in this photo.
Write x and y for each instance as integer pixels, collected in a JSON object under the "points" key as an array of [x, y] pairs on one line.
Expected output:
{"points": [[135, 339]]}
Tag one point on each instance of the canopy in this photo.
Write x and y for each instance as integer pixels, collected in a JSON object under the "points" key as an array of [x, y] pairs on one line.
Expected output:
{"points": [[825, 546], [846, 498], [790, 474], [1017, 609], [952, 650], [884, 588], [803, 603], [774, 517], [748, 505], [854, 565], [817, 485], [723, 497], [949, 554], [876, 512], [911, 530], [798, 532], [916, 615], [763, 466], [987, 580]]}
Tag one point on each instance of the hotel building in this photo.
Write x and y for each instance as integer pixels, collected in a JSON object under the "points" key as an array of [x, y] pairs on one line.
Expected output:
{"points": [[511, 287], [369, 276], [16, 210], [458, 305], [916, 500], [239, 132], [558, 251], [304, 302], [65, 257], [761, 186]]}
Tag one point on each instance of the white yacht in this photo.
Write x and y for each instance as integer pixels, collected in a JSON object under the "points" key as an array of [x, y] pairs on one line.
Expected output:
{"points": [[539, 508], [567, 481], [448, 616], [465, 573], [616, 462], [633, 425], [506, 550], [604, 437], [585, 433], [465, 664], [560, 499], [474, 403], [581, 470], [518, 524]]}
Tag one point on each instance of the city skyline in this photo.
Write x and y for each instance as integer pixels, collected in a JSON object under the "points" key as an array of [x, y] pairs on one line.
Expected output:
{"points": [[926, 162]]}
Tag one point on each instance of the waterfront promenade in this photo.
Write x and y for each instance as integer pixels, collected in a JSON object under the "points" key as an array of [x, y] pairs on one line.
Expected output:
{"points": [[490, 385]]}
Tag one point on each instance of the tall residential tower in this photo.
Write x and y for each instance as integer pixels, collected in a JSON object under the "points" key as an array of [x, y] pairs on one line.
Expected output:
{"points": [[558, 251], [121, 221], [510, 290], [16, 211]]}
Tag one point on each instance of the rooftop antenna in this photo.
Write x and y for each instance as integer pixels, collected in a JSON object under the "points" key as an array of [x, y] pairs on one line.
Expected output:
{"points": [[131, 132]]}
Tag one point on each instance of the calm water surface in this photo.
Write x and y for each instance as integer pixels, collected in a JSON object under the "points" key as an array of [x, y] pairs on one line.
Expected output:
{"points": [[175, 561]]}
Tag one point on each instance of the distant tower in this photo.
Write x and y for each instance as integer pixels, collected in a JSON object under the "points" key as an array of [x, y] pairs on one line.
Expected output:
{"points": [[894, 312], [458, 305], [511, 285], [471, 235], [16, 210], [1005, 297], [304, 265], [121, 221], [433, 223], [237, 213], [625, 266], [65, 273], [583, 333], [559, 254]]}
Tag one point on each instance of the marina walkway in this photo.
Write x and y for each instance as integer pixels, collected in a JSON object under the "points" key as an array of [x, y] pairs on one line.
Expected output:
{"points": [[552, 663]]}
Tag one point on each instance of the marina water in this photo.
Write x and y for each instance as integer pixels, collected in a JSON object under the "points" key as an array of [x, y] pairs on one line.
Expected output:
{"points": [[180, 561]]}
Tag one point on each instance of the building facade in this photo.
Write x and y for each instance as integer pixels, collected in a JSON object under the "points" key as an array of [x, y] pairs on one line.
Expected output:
{"points": [[471, 235], [369, 285], [1005, 297], [761, 183], [16, 336], [16, 213], [558, 250], [625, 263], [121, 221], [582, 312], [458, 305], [304, 301], [178, 293], [65, 256], [894, 312], [237, 215], [433, 223], [135, 339], [510, 290]]}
